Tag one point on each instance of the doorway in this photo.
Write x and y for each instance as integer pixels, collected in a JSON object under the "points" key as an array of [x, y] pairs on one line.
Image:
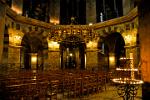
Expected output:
{"points": [[72, 53], [31, 45]]}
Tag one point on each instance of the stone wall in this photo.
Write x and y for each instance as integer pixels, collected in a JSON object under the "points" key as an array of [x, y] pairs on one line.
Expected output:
{"points": [[144, 33], [53, 60], [2, 27], [124, 25], [127, 26], [14, 57]]}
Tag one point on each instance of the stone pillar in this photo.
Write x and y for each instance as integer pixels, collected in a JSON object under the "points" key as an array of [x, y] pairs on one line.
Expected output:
{"points": [[14, 57], [144, 35], [2, 27], [91, 60], [54, 11], [54, 60], [45, 58], [90, 11]]}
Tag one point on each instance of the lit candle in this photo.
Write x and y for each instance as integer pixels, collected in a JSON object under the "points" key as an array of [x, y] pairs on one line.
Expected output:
{"points": [[132, 67]]}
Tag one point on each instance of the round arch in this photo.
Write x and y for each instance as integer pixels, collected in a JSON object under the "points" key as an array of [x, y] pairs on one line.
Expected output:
{"points": [[114, 47], [32, 44], [72, 50]]}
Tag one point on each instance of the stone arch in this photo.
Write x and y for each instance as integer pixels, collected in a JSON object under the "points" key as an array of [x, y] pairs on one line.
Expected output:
{"points": [[25, 53], [33, 43], [115, 43], [72, 50], [103, 55]]}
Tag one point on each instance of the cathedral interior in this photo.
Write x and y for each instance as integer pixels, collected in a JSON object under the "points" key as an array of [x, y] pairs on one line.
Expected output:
{"points": [[74, 48]]}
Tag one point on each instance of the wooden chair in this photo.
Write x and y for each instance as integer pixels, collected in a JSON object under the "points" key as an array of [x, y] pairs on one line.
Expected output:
{"points": [[52, 89], [85, 86]]}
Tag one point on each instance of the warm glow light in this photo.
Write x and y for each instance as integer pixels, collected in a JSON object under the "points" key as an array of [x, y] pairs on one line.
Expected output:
{"points": [[127, 80], [126, 69], [54, 21], [85, 60], [34, 78], [92, 44], [15, 37], [17, 10], [33, 58], [124, 58], [53, 45], [112, 59], [70, 54], [130, 37], [132, 66], [90, 24]]}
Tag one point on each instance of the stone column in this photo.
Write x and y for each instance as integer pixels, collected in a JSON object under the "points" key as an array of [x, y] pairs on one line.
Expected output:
{"points": [[91, 60], [90, 11], [144, 35], [54, 60], [14, 57], [54, 11], [2, 27]]}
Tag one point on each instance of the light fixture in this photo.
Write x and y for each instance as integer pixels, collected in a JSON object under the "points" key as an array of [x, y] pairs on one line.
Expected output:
{"points": [[112, 59], [33, 60], [90, 24], [70, 54]]}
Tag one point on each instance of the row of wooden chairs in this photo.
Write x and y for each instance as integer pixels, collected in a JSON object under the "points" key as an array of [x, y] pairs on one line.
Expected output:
{"points": [[30, 85]]}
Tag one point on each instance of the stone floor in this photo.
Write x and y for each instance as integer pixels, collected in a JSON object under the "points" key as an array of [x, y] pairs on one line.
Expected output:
{"points": [[109, 94]]}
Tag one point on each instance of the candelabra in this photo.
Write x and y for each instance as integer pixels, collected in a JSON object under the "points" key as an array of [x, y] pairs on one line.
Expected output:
{"points": [[126, 82]]}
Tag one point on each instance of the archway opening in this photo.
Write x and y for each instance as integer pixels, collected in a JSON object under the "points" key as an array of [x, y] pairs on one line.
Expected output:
{"points": [[115, 48], [72, 53], [31, 45]]}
